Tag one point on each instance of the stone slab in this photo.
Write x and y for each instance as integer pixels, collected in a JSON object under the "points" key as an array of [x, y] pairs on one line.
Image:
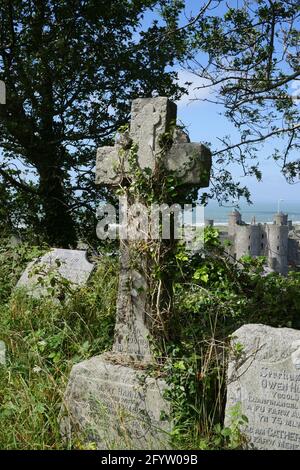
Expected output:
{"points": [[265, 380], [115, 406], [74, 266]]}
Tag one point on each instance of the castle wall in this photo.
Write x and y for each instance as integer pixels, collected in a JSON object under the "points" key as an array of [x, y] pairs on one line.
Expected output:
{"points": [[293, 252], [274, 241], [248, 240], [208, 223], [277, 236], [280, 219], [234, 219]]}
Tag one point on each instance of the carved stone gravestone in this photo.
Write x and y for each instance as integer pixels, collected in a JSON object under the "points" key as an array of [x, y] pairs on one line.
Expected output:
{"points": [[109, 397], [70, 264], [264, 380], [15, 240]]}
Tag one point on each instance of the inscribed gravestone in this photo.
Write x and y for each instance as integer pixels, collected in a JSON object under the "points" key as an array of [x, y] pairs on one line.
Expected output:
{"points": [[115, 406], [73, 266], [265, 380], [111, 392]]}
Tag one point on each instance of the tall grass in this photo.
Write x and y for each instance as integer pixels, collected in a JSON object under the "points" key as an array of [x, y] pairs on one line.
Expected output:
{"points": [[44, 339]]}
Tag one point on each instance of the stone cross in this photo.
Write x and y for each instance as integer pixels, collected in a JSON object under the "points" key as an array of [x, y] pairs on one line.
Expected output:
{"points": [[150, 118], [109, 397]]}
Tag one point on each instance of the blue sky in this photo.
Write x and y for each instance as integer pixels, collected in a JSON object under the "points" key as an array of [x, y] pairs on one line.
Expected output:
{"points": [[204, 123]]}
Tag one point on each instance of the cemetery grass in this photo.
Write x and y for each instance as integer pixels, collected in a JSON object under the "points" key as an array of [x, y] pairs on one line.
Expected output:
{"points": [[44, 339], [212, 298]]}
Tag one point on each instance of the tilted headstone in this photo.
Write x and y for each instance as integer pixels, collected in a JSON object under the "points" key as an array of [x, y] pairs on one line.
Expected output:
{"points": [[108, 397], [264, 382], [15, 240], [72, 265]]}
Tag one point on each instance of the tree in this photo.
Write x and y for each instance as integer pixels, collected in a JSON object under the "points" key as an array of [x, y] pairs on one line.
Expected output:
{"points": [[71, 69], [251, 64]]}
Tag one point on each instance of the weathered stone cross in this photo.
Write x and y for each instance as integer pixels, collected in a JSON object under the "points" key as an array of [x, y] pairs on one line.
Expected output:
{"points": [[150, 118]]}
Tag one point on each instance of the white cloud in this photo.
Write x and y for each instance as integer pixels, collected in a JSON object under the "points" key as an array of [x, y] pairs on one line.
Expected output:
{"points": [[296, 91]]}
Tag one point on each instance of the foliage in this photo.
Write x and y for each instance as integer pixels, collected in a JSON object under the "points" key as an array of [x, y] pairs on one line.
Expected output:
{"points": [[153, 188], [13, 260], [250, 62], [213, 297], [51, 282], [44, 339], [197, 300], [71, 70]]}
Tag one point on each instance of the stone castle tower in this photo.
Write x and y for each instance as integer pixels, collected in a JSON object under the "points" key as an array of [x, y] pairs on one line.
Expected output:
{"points": [[277, 237], [269, 240]]}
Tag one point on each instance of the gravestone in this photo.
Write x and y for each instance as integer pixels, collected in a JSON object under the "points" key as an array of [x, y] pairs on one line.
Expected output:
{"points": [[15, 240], [264, 380], [109, 397], [69, 264]]}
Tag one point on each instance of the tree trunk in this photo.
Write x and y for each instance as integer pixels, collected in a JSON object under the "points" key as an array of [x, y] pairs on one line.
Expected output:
{"points": [[58, 224]]}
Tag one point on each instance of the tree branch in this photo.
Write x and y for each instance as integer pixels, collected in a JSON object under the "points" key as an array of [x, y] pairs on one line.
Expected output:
{"points": [[18, 184], [262, 138]]}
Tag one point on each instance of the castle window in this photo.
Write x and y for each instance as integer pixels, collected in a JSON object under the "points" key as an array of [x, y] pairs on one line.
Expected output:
{"points": [[249, 237], [249, 248], [262, 235], [262, 245], [278, 248]]}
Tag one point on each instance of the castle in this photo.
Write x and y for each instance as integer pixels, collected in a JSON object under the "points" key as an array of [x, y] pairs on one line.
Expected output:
{"points": [[279, 241]]}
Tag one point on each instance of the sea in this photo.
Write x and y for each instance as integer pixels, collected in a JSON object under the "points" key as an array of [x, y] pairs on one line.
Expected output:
{"points": [[262, 211]]}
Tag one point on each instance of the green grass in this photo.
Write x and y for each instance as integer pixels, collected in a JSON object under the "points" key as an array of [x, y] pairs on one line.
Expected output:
{"points": [[44, 339]]}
